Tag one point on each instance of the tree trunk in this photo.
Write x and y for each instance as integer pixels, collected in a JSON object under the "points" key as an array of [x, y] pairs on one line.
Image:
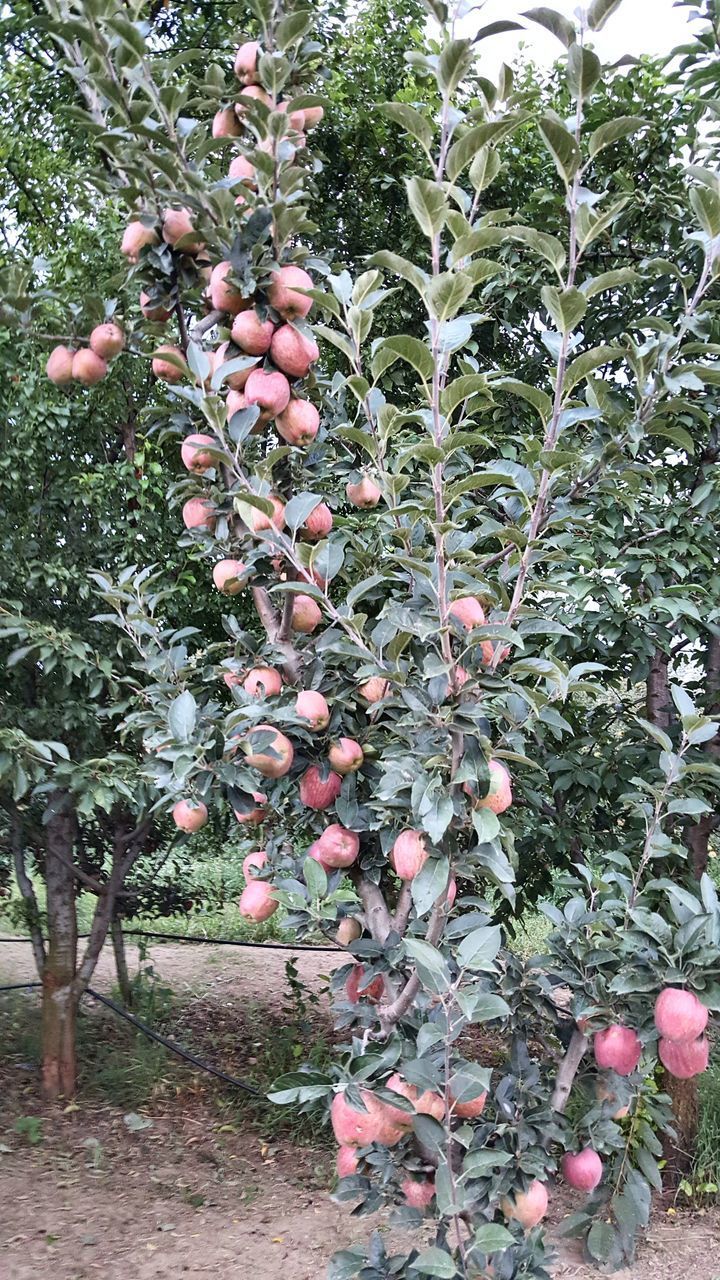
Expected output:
{"points": [[123, 978], [698, 834], [60, 998], [679, 1152], [658, 702], [683, 1094]]}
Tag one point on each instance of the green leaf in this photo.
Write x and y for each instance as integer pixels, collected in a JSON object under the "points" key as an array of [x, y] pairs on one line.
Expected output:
{"points": [[612, 131], [587, 363], [453, 65], [601, 1241], [461, 389], [683, 701], [608, 280], [467, 147], [298, 509], [706, 207], [430, 964], [400, 267], [292, 28], [654, 732], [315, 878], [600, 11], [649, 1166], [402, 347], [428, 204], [435, 1262], [336, 339], [549, 247], [492, 1237], [182, 715], [429, 883], [539, 400], [484, 168], [584, 70], [562, 147], [477, 1164], [567, 308], [447, 293], [553, 22], [486, 824], [479, 948], [411, 120]]}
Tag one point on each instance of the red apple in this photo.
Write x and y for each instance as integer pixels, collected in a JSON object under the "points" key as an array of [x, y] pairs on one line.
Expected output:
{"points": [[194, 454]]}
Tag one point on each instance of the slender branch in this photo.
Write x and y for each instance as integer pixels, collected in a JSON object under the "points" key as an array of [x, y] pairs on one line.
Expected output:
{"points": [[375, 908], [390, 1014], [208, 322], [27, 891], [95, 886], [182, 326], [568, 1069], [403, 909], [127, 850]]}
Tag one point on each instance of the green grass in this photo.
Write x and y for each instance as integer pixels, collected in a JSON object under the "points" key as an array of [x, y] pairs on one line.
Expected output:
{"points": [[531, 931], [221, 921], [122, 1068], [705, 1177]]}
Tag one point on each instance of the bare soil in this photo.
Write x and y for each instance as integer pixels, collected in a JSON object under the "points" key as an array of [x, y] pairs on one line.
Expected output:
{"points": [[201, 1191]]}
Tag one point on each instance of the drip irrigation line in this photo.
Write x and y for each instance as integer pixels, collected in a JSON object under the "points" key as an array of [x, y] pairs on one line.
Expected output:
{"points": [[172, 1045], [218, 942]]}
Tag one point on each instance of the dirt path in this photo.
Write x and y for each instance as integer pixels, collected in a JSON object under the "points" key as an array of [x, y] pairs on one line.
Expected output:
{"points": [[246, 973], [197, 1193]]}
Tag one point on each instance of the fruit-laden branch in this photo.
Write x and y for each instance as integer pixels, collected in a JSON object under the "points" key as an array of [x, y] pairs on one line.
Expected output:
{"points": [[390, 1014], [274, 629]]}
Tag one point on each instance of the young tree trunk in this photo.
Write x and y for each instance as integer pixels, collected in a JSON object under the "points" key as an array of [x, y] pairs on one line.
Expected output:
{"points": [[699, 833], [121, 969], [60, 998], [658, 704], [683, 1094]]}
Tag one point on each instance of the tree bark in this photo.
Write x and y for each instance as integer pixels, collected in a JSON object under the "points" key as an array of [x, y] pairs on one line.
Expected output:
{"points": [[568, 1069], [60, 998], [121, 969], [658, 702]]}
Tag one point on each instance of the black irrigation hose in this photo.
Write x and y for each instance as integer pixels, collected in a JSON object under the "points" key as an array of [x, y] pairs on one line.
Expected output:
{"points": [[229, 942], [152, 1035], [171, 1044], [219, 942]]}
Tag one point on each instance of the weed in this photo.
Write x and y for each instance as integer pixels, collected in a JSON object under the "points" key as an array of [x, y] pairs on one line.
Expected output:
{"points": [[30, 1128], [703, 1182]]}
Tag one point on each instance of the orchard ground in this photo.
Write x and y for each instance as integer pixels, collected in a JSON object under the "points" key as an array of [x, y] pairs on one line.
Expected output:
{"points": [[158, 1171]]}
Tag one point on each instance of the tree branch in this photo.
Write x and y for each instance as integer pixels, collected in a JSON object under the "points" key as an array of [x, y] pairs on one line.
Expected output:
{"points": [[27, 891], [568, 1069]]}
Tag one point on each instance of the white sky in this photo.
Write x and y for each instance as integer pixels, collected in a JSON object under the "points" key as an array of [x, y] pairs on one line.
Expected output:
{"points": [[637, 27]]}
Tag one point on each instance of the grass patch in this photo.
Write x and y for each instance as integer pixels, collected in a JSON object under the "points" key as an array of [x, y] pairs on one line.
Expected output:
{"points": [[705, 1177], [531, 931]]}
